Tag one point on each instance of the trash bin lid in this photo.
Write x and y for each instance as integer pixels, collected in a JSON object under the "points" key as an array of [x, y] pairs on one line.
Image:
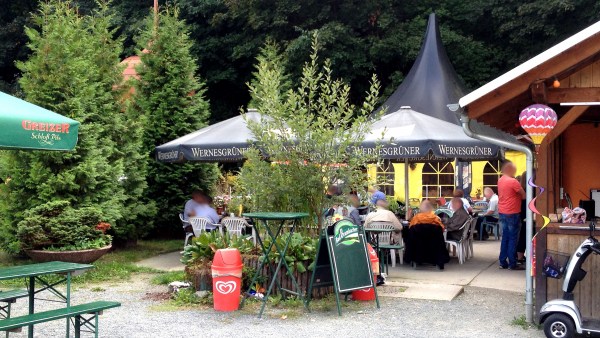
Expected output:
{"points": [[227, 258]]}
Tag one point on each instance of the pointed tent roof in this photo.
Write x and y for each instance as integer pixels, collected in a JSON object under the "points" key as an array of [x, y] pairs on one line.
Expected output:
{"points": [[432, 82]]}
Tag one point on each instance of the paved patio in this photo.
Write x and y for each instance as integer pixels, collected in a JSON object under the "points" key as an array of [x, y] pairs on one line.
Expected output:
{"points": [[426, 282]]}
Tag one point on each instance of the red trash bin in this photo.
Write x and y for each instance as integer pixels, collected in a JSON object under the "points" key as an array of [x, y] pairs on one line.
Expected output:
{"points": [[227, 279], [369, 294]]}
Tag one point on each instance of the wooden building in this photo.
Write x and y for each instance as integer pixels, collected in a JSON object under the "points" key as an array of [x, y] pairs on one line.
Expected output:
{"points": [[565, 77]]}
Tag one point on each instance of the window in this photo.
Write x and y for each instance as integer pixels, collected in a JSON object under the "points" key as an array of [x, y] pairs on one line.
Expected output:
{"points": [[385, 177], [491, 174], [438, 180]]}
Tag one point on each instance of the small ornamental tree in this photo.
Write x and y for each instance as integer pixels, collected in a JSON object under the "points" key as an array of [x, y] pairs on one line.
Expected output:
{"points": [[308, 133], [72, 70], [171, 98]]}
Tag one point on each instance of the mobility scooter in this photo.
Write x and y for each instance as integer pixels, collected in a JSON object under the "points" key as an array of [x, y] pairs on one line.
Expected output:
{"points": [[561, 317]]}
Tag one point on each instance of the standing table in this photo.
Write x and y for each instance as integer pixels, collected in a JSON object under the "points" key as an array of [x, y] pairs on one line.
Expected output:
{"points": [[38, 272], [280, 218]]}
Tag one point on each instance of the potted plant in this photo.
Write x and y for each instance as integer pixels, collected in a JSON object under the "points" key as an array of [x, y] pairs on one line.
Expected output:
{"points": [[221, 202], [56, 231]]}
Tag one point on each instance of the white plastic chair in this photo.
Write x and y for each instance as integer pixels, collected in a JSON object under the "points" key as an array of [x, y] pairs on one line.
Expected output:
{"points": [[460, 246], [473, 225], [184, 224], [385, 240], [199, 225], [235, 226], [481, 205]]}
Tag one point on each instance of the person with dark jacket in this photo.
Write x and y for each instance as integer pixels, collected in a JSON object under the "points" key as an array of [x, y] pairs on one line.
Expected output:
{"points": [[458, 219]]}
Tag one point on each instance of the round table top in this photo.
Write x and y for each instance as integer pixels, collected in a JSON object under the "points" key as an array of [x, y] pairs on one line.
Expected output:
{"points": [[277, 216]]}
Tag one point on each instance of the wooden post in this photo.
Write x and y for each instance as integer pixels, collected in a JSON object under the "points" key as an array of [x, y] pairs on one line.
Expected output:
{"points": [[155, 17]]}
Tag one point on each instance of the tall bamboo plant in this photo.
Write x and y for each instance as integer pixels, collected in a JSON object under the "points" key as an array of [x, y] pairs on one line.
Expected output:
{"points": [[308, 133]]}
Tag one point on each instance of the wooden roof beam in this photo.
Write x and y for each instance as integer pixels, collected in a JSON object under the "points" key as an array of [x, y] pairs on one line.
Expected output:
{"points": [[560, 95], [579, 53]]}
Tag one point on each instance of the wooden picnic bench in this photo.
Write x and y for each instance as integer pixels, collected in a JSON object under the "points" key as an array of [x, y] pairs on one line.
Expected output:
{"points": [[15, 324], [37, 274], [9, 297]]}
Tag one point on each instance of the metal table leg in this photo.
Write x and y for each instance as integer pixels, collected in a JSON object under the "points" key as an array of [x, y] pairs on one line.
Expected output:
{"points": [[31, 304]]}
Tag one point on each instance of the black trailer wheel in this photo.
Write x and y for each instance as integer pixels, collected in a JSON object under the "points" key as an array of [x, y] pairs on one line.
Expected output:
{"points": [[559, 325]]}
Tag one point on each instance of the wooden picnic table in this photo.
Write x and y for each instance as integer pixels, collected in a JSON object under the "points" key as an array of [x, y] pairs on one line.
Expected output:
{"points": [[38, 272]]}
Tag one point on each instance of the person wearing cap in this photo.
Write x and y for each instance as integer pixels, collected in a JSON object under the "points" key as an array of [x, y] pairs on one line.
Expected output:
{"points": [[376, 195]]}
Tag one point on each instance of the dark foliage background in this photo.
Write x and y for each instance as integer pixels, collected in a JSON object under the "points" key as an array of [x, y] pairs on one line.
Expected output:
{"points": [[483, 37]]}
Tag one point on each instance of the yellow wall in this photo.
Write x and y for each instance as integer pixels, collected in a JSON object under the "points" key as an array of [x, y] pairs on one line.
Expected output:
{"points": [[415, 181], [516, 157]]}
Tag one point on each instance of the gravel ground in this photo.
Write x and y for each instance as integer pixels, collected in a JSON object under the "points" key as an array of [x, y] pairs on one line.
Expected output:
{"points": [[476, 313]]}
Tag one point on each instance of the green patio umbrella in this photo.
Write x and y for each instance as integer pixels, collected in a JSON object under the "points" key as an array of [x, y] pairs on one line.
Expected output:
{"points": [[27, 126]]}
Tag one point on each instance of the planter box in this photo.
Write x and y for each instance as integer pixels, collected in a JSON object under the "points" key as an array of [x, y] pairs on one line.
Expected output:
{"points": [[201, 278], [79, 256], [303, 279]]}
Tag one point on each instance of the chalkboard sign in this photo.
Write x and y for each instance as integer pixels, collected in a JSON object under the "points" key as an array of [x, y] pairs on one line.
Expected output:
{"points": [[349, 257], [342, 260]]}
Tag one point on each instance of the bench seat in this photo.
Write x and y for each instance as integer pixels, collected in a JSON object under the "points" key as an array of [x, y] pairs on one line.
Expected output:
{"points": [[10, 296], [41, 317]]}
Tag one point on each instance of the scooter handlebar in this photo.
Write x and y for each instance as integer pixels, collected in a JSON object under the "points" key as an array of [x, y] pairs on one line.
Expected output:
{"points": [[595, 248]]}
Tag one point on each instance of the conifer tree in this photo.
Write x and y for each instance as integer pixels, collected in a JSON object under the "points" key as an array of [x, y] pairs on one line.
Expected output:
{"points": [[171, 97], [72, 70]]}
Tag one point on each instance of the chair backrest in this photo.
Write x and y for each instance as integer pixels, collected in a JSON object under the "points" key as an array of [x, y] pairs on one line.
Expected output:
{"points": [[384, 238], [444, 211], [235, 225], [184, 223], [379, 225], [482, 204], [472, 227], [466, 227], [199, 224]]}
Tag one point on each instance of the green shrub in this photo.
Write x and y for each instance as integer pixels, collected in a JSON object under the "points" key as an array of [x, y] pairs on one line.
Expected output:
{"points": [[203, 248], [302, 249], [58, 226]]}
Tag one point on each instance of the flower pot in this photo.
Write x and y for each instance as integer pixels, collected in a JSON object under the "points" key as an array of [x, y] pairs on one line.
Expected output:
{"points": [[77, 256]]}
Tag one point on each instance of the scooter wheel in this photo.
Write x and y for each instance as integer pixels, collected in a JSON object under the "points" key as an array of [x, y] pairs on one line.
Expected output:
{"points": [[559, 325]]}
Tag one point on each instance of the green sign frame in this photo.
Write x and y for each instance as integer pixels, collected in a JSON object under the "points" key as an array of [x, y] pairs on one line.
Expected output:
{"points": [[342, 261]]}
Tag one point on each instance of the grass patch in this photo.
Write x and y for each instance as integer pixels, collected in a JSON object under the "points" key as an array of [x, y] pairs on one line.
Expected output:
{"points": [[117, 265], [97, 289], [522, 322], [168, 277]]}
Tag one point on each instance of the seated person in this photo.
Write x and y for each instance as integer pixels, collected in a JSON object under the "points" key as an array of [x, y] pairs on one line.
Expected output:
{"points": [[426, 215], [376, 195], [382, 214], [199, 206], [424, 238], [457, 220], [461, 194], [491, 214], [349, 211]]}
